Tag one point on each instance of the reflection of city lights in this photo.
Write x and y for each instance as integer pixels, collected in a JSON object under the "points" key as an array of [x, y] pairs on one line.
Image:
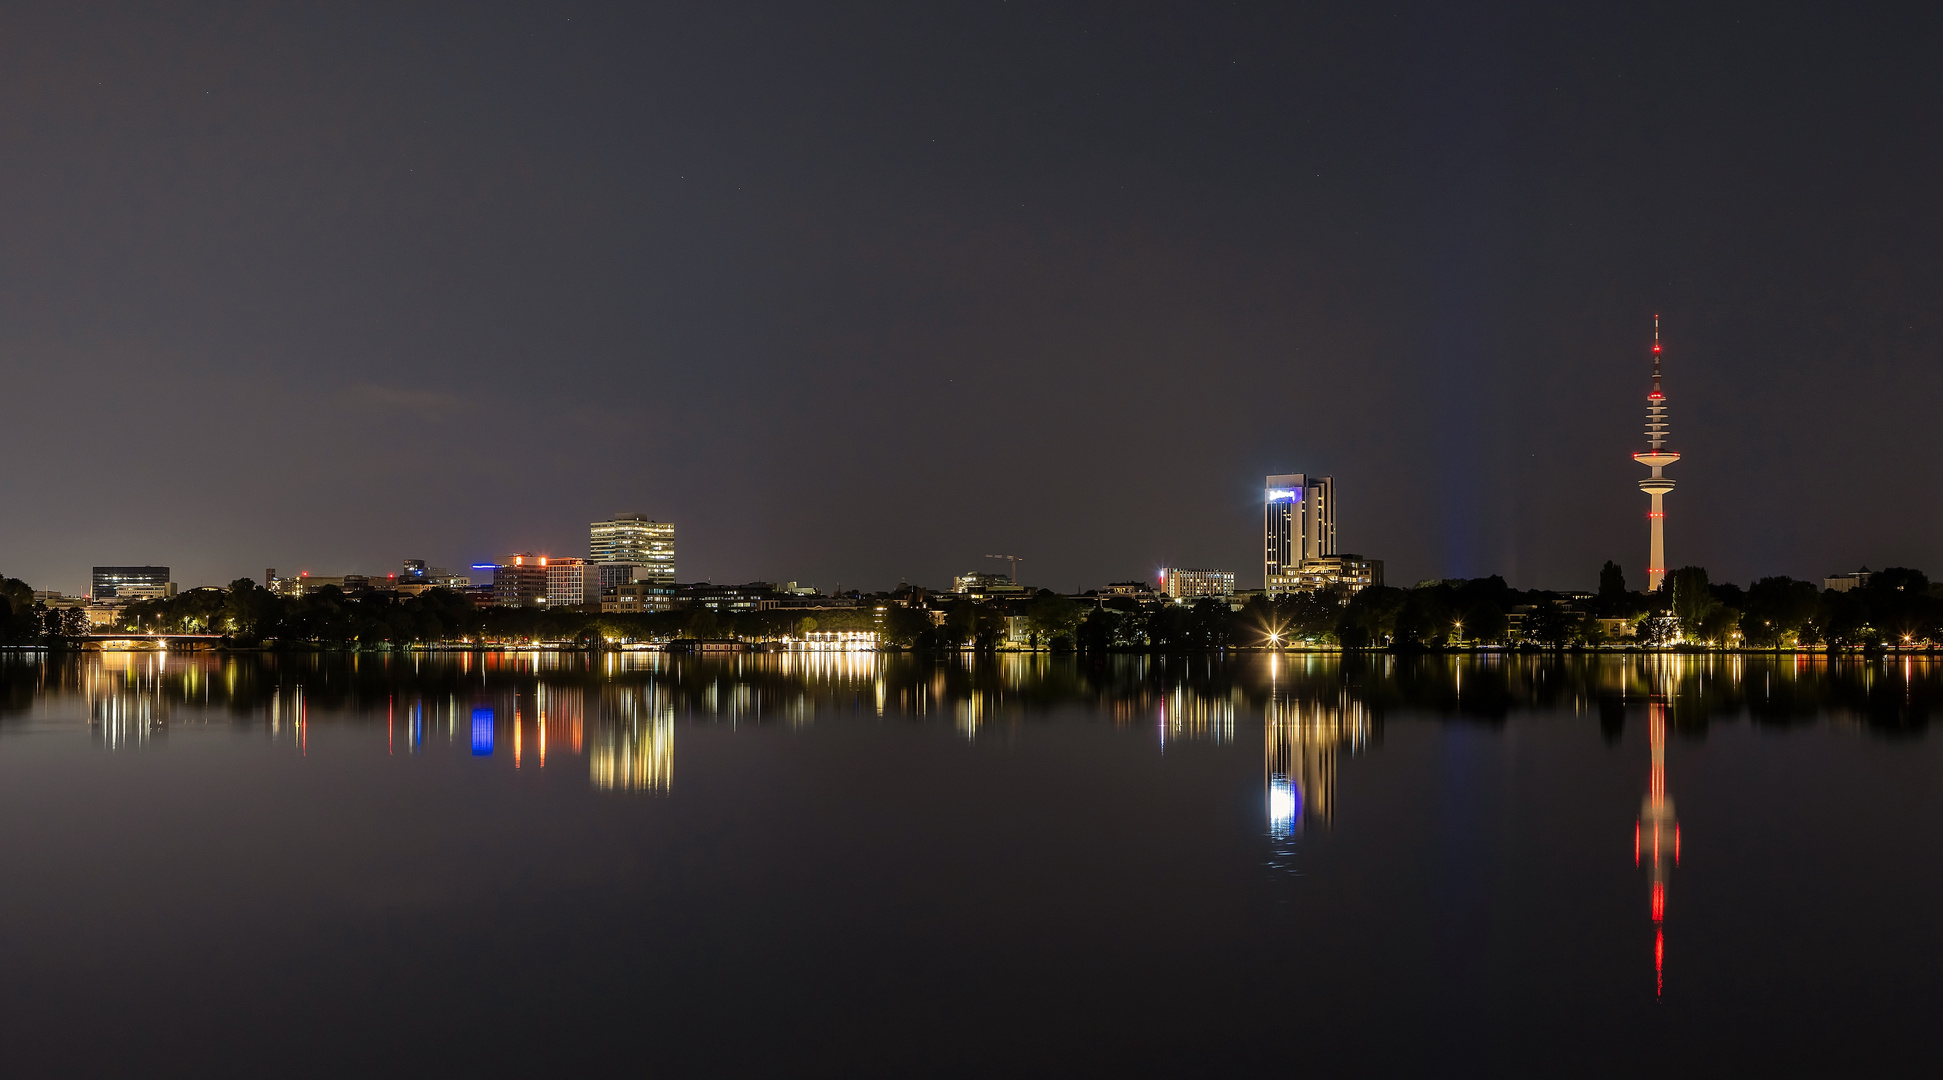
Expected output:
{"points": [[637, 754], [482, 731], [632, 747], [971, 712], [1283, 806], [1656, 835], [1185, 714], [1302, 742]]}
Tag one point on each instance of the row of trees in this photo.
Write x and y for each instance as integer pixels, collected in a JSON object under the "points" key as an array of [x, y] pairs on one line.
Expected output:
{"points": [[24, 621], [1897, 607]]}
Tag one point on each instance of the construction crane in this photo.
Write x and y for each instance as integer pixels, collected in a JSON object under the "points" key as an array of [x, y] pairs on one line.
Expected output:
{"points": [[1015, 565]]}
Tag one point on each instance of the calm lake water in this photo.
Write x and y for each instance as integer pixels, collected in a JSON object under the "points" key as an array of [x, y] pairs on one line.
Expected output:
{"points": [[866, 865]]}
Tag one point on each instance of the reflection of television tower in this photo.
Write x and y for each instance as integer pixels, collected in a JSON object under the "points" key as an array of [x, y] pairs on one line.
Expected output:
{"points": [[1658, 457], [1657, 835]]}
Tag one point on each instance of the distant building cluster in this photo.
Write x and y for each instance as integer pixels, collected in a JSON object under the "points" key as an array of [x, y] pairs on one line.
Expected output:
{"points": [[630, 568]]}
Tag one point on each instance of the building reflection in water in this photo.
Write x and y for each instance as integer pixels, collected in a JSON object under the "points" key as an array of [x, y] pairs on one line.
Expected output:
{"points": [[1302, 741], [1184, 714], [633, 748], [1656, 835], [482, 731], [127, 705], [971, 714]]}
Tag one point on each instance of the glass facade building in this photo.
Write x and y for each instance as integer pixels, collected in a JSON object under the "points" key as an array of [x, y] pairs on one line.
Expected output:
{"points": [[108, 581]]}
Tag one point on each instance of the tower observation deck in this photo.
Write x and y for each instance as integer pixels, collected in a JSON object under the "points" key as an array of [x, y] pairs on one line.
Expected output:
{"points": [[1656, 457]]}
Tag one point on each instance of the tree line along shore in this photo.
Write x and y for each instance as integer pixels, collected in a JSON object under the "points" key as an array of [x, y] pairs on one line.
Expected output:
{"points": [[1897, 608]]}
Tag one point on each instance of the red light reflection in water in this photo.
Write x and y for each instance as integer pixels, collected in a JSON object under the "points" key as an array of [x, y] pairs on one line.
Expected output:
{"points": [[1656, 816]]}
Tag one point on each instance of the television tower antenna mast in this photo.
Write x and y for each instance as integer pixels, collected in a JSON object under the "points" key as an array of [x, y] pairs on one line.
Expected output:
{"points": [[1656, 457], [1015, 565]]}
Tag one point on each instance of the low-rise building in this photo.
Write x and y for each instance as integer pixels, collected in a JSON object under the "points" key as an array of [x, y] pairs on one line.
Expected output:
{"points": [[1858, 579], [307, 583], [754, 596], [520, 582], [616, 573], [1619, 628], [1352, 572], [109, 581], [638, 597], [834, 641], [571, 582], [979, 586], [417, 578], [1185, 585]]}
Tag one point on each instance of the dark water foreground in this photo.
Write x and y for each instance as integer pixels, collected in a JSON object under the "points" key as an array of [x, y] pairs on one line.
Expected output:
{"points": [[859, 865]]}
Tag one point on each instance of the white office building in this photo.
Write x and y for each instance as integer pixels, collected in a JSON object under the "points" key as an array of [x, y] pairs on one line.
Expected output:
{"points": [[634, 538], [571, 582]]}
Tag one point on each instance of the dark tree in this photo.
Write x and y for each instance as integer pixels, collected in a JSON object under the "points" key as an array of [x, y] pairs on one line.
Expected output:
{"points": [[1780, 611], [1612, 581]]}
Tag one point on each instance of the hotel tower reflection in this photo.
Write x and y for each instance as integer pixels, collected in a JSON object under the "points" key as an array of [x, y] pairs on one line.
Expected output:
{"points": [[1302, 739]]}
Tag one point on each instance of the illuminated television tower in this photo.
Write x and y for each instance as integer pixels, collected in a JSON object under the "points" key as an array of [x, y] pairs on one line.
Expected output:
{"points": [[1658, 457]]}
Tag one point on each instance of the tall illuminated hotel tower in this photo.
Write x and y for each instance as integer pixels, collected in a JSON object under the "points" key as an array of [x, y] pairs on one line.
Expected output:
{"points": [[1298, 522], [1657, 457]]}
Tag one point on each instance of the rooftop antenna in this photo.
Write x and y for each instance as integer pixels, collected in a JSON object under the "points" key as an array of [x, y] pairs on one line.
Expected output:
{"points": [[1015, 565]]}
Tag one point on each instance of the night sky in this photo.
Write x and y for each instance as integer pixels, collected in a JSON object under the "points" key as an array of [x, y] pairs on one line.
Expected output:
{"points": [[862, 293]]}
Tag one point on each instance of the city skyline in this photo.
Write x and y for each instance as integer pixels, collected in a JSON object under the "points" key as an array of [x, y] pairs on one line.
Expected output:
{"points": [[764, 538], [1434, 240]]}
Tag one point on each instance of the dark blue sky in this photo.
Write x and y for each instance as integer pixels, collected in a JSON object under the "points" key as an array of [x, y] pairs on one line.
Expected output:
{"points": [[866, 292]]}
